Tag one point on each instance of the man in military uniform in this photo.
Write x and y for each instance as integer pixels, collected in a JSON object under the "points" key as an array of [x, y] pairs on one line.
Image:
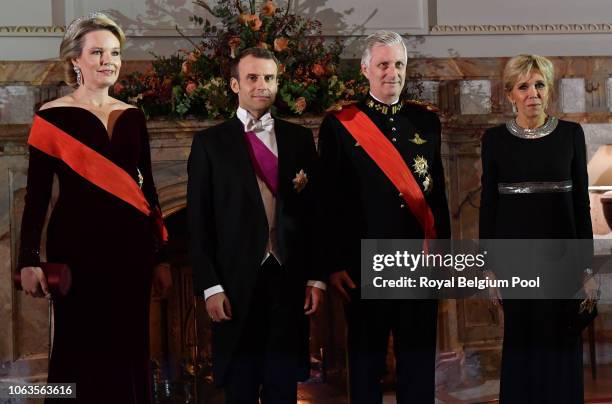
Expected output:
{"points": [[383, 179]]}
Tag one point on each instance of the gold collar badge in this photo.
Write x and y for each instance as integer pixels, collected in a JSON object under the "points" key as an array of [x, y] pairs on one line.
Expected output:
{"points": [[384, 108]]}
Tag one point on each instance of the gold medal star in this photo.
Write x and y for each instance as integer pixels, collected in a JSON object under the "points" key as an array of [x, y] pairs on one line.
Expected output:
{"points": [[420, 166]]}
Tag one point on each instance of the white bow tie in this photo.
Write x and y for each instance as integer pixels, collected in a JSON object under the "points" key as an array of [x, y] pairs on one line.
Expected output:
{"points": [[266, 123]]}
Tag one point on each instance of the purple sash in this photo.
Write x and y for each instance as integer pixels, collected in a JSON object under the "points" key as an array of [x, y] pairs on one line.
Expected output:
{"points": [[264, 161]]}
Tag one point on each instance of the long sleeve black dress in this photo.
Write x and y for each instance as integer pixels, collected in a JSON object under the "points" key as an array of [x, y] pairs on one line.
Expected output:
{"points": [[101, 339], [541, 363]]}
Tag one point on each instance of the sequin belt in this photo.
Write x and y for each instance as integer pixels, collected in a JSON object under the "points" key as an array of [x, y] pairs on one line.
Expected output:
{"points": [[534, 187]]}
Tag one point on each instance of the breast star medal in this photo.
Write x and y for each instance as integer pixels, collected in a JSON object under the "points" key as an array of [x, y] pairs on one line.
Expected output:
{"points": [[421, 168], [300, 181], [417, 139]]}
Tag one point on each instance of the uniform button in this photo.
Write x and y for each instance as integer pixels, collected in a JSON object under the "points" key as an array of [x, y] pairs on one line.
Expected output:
{"points": [[401, 195], [391, 120], [402, 206], [394, 139], [393, 129]]}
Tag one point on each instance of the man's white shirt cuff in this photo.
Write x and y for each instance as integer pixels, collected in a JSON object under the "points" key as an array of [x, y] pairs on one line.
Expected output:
{"points": [[317, 284], [213, 290]]}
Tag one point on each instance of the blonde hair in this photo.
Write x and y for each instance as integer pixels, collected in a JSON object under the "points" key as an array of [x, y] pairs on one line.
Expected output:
{"points": [[522, 65], [72, 43]]}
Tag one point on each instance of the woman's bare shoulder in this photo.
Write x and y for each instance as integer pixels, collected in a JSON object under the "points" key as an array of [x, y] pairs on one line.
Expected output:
{"points": [[66, 101]]}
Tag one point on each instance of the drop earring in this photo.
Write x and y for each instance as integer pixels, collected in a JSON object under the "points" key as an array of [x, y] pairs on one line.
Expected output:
{"points": [[79, 76], [514, 108]]}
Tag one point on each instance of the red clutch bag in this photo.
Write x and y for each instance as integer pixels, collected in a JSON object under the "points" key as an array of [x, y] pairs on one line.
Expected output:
{"points": [[59, 278]]}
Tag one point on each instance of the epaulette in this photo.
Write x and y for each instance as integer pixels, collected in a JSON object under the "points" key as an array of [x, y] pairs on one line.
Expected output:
{"points": [[422, 104], [337, 107]]}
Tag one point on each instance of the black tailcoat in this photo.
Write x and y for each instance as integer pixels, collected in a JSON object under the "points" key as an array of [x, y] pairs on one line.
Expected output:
{"points": [[228, 225]]}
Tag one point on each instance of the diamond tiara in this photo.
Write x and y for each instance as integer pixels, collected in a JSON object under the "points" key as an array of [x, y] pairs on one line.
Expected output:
{"points": [[75, 23]]}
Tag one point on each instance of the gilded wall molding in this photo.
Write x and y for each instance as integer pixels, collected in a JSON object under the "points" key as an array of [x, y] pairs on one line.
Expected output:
{"points": [[521, 29], [32, 30], [483, 29], [58, 31]]}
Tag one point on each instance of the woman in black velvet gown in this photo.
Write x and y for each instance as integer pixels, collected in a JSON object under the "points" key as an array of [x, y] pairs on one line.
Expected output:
{"points": [[101, 326], [535, 186]]}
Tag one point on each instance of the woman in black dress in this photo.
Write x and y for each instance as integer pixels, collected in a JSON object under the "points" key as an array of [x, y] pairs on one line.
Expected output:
{"points": [[535, 186], [105, 224]]}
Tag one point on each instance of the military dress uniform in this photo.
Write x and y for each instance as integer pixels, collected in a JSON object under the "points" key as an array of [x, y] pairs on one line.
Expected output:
{"points": [[359, 202]]}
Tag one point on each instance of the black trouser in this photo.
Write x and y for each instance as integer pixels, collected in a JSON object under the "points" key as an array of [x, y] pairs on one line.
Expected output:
{"points": [[265, 364], [413, 324]]}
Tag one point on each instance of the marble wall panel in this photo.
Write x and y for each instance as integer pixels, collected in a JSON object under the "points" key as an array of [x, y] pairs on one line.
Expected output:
{"points": [[16, 104], [609, 93], [429, 91], [596, 97], [475, 97], [573, 95]]}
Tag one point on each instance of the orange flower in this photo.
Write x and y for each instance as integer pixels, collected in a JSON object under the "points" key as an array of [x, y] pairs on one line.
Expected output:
{"points": [[186, 68], [254, 22], [243, 18], [280, 44], [318, 70], [268, 9], [300, 105], [281, 68], [117, 88], [191, 87], [192, 57], [234, 43]]}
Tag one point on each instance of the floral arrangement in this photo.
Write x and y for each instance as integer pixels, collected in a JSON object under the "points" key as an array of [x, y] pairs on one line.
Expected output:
{"points": [[193, 82]]}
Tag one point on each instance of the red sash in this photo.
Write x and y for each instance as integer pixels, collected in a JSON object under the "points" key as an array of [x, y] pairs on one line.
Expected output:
{"points": [[92, 166], [388, 159]]}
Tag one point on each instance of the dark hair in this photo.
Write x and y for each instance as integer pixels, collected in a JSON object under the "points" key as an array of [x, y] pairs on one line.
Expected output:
{"points": [[259, 53]]}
